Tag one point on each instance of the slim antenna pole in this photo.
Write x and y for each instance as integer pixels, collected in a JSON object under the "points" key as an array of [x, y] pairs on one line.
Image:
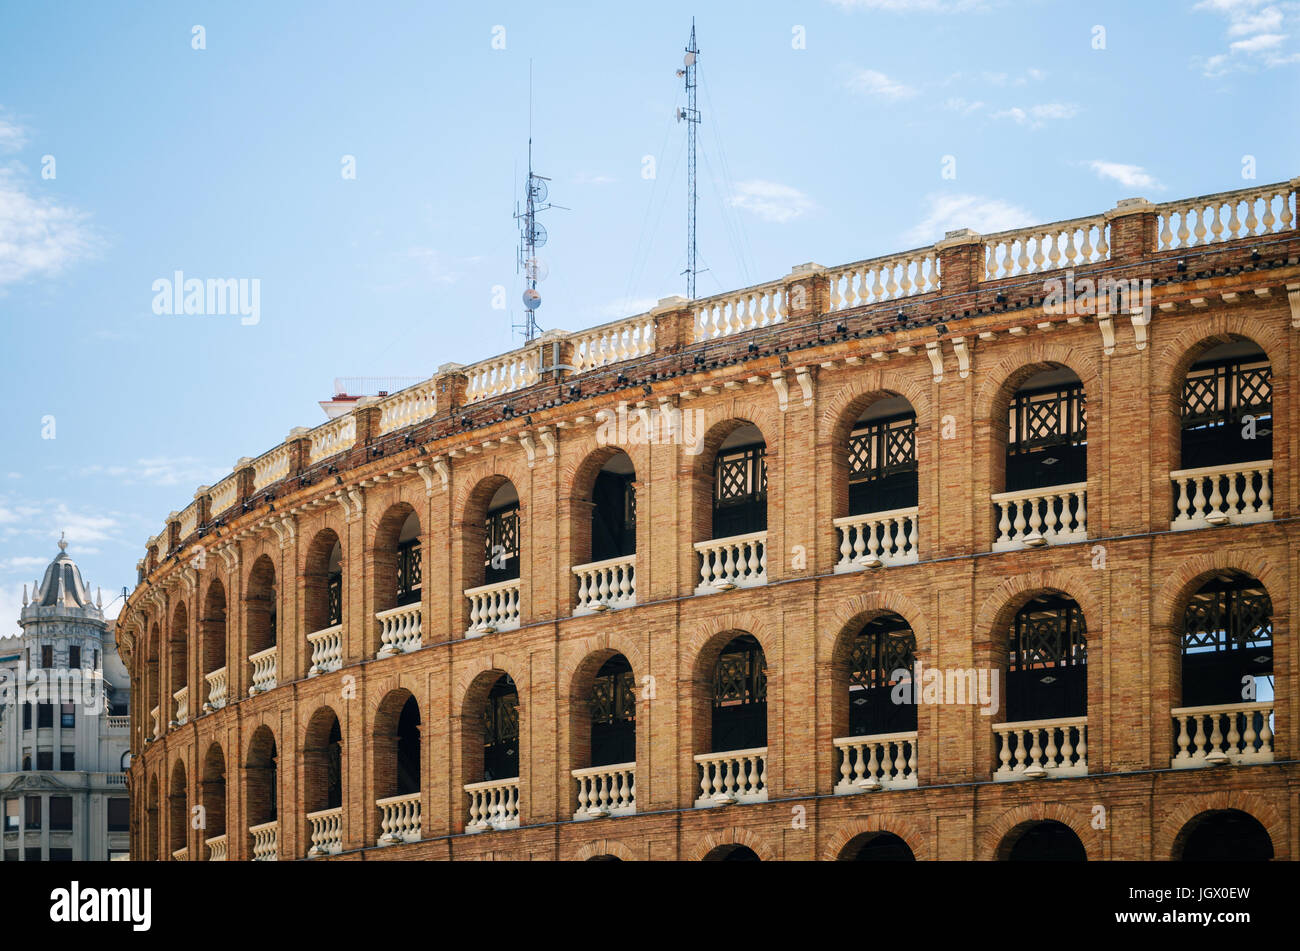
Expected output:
{"points": [[691, 116]]}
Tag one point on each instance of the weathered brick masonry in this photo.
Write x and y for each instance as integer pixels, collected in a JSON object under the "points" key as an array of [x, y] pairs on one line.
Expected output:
{"points": [[802, 374]]}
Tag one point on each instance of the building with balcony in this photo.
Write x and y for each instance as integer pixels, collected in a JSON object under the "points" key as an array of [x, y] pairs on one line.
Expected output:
{"points": [[64, 727], [983, 551]]}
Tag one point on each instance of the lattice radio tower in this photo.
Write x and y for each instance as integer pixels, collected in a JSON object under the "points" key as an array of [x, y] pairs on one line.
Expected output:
{"points": [[691, 116]]}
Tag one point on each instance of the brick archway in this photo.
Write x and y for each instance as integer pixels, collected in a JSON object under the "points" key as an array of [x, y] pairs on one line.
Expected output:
{"points": [[604, 847], [990, 840], [1253, 804], [904, 827], [735, 835]]}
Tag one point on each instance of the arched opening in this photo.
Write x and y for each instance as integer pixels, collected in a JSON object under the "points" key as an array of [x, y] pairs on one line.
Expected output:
{"points": [[882, 467], [613, 513], [877, 847], [178, 655], [260, 606], [152, 823], [882, 657], [490, 744], [323, 582], [213, 799], [261, 794], [1223, 835], [398, 563], [604, 858], [397, 745], [602, 736], [1047, 435], [501, 731], [178, 813], [731, 853], [740, 484], [603, 543], [1226, 648], [1227, 408], [613, 713], [323, 762], [1045, 841], [153, 687], [212, 636], [739, 703], [1047, 658], [501, 547]]}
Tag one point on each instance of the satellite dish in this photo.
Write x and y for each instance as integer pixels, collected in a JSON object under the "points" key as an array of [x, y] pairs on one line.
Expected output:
{"points": [[537, 190], [537, 235], [689, 59], [536, 270], [532, 299]]}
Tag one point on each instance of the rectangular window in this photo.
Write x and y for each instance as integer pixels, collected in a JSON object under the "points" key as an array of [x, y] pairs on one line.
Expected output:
{"points": [[45, 759], [60, 855], [44, 714], [47, 655], [97, 660], [74, 656], [32, 855], [68, 761], [11, 855], [27, 716], [11, 815], [32, 808], [61, 813], [68, 715], [119, 814]]}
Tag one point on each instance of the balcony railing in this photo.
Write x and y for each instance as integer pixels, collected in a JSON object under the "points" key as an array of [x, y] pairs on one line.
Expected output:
{"points": [[1221, 495], [263, 671], [493, 607], [265, 841], [735, 776], [216, 689], [879, 761], [399, 819], [493, 805], [1057, 515], [119, 723], [157, 722], [1213, 218], [1042, 748], [400, 630], [1223, 733], [736, 562], [738, 311], [613, 343], [182, 698], [216, 848], [606, 791], [181, 855], [877, 539], [1033, 250], [607, 584], [326, 650], [326, 832], [882, 279]]}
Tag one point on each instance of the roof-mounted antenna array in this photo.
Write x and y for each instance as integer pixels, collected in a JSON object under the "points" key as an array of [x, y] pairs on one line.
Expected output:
{"points": [[532, 234], [691, 116]]}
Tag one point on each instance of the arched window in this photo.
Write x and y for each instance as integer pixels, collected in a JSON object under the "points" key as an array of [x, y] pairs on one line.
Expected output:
{"points": [[212, 634], [501, 536], [740, 484], [882, 458], [409, 566], [883, 656], [1227, 642], [178, 813], [732, 853], [740, 696], [613, 514], [501, 731], [1047, 441], [261, 601], [213, 797], [613, 714], [1047, 656], [261, 778], [1046, 841], [1227, 407], [1224, 835], [179, 657]]}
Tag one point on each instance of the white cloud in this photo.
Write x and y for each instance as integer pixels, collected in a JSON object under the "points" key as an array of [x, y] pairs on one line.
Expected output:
{"points": [[38, 236], [1264, 41], [870, 82], [11, 604], [586, 178], [22, 563], [946, 213], [771, 201], [1036, 116], [1266, 20], [962, 105], [1262, 31], [1130, 176], [12, 136]]}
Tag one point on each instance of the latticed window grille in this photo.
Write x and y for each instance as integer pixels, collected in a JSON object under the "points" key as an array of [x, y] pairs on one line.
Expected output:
{"points": [[409, 571], [1053, 635], [501, 534], [882, 649], [613, 698], [1236, 616], [1052, 417], [881, 449], [740, 491], [334, 599], [878, 653], [501, 731], [1222, 393], [741, 677]]}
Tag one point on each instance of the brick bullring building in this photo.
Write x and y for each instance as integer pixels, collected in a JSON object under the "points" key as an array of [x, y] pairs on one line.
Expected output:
{"points": [[655, 590]]}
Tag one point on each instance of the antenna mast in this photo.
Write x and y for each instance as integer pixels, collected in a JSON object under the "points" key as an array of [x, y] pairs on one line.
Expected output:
{"points": [[691, 116], [532, 235]]}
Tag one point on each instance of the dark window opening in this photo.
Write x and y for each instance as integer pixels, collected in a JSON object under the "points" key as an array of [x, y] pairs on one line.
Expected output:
{"points": [[1226, 835], [740, 491], [44, 714], [1048, 440], [27, 716], [1047, 673], [61, 813], [47, 655], [74, 656], [119, 814], [1218, 395], [67, 761], [882, 465], [740, 697], [409, 572], [613, 520], [881, 652], [334, 767], [408, 749], [1049, 841], [334, 599], [1227, 641], [45, 759], [501, 731], [613, 714], [32, 808], [60, 855], [501, 544]]}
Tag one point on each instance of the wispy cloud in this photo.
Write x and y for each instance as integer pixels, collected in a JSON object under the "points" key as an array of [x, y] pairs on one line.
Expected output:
{"points": [[945, 212], [588, 178], [1039, 115], [1258, 32], [1130, 176], [870, 82], [962, 106], [158, 470], [771, 201], [12, 136], [39, 237]]}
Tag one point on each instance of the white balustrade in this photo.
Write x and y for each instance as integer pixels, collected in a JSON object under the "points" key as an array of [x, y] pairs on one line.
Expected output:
{"points": [[877, 538], [1247, 213], [326, 650], [216, 689], [613, 343], [1223, 733], [1056, 515], [224, 494], [181, 855], [881, 279], [493, 805], [189, 520], [1220, 495], [607, 584], [266, 847], [271, 467], [1063, 244], [182, 698], [331, 438], [739, 311], [606, 791], [157, 722], [263, 671], [399, 819], [514, 371], [735, 776], [216, 848], [881, 761], [1036, 748], [119, 723], [493, 607], [326, 831], [736, 562], [408, 407], [400, 629]]}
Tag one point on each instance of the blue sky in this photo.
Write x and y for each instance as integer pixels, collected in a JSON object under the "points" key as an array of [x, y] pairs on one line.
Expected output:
{"points": [[226, 162]]}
